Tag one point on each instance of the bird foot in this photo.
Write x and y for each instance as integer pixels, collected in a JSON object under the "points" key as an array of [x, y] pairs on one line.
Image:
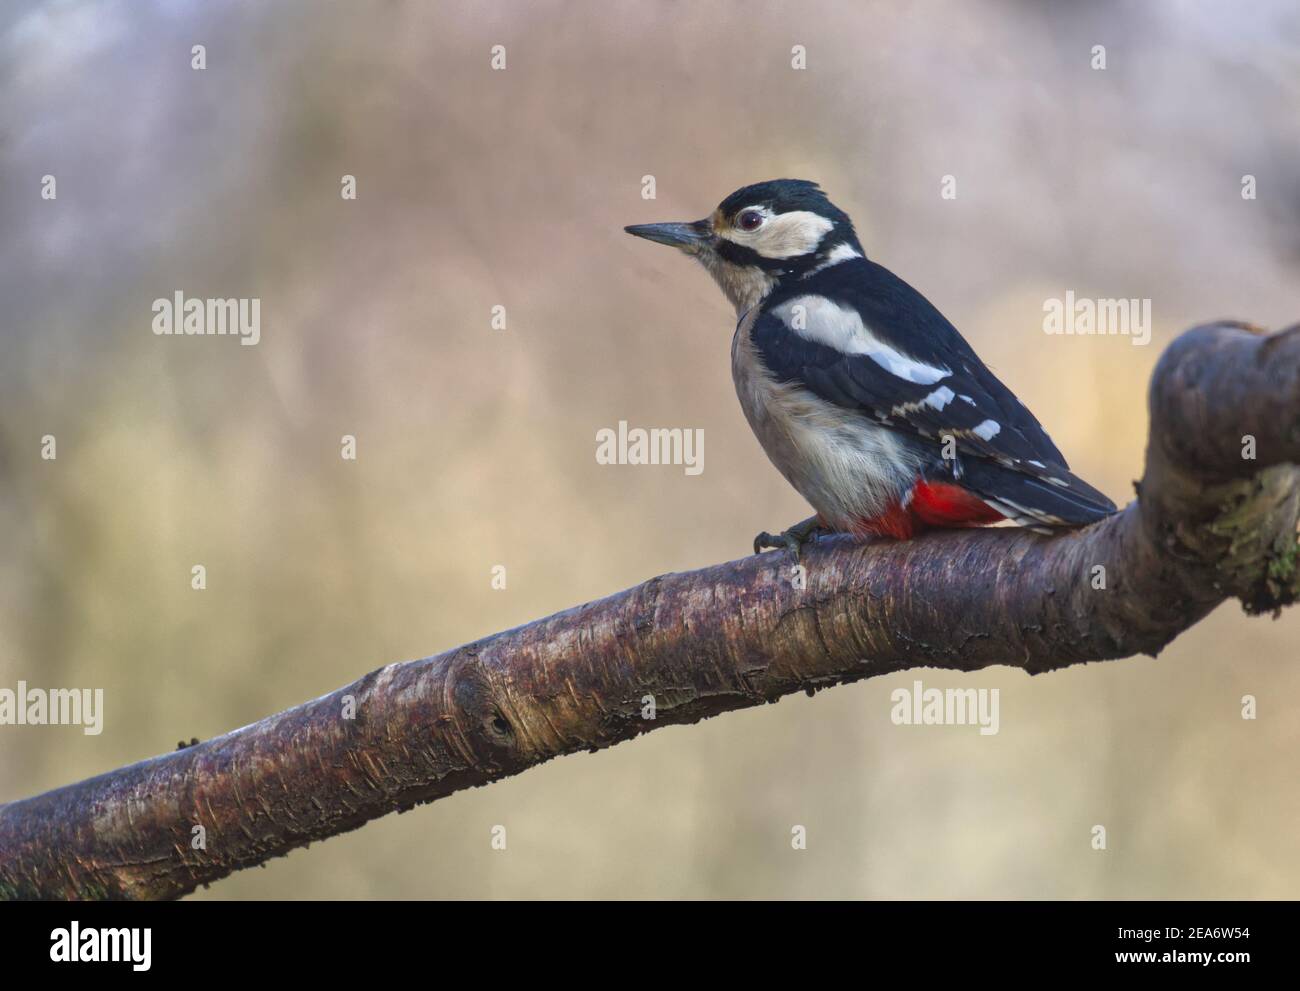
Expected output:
{"points": [[792, 539]]}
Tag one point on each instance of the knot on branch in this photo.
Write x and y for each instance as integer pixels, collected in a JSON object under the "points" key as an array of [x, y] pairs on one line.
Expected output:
{"points": [[1221, 492]]}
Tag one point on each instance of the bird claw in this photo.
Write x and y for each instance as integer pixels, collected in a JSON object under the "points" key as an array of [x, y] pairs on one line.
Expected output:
{"points": [[791, 540], [765, 540]]}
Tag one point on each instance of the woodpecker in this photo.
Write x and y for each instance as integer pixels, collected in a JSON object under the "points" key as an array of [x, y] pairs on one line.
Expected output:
{"points": [[862, 394]]}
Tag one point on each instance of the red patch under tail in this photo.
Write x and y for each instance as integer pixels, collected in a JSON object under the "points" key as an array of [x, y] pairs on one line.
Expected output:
{"points": [[933, 504]]}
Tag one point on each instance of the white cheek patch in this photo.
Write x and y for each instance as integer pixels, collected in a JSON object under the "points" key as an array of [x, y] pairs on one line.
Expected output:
{"points": [[784, 235], [841, 328], [789, 235]]}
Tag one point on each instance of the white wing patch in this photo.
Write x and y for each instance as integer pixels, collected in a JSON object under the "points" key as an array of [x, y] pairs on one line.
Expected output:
{"points": [[940, 398], [937, 400], [816, 318], [987, 430]]}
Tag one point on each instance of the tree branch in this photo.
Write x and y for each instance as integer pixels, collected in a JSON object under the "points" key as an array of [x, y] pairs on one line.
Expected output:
{"points": [[1209, 524]]}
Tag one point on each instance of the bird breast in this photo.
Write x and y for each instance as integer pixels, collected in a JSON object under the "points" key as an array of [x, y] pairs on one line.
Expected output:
{"points": [[847, 466]]}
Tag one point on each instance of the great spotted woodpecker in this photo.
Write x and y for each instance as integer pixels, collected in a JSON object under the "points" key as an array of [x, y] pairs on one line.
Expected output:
{"points": [[863, 395]]}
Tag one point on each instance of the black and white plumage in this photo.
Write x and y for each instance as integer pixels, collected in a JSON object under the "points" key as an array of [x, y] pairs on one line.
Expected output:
{"points": [[863, 395]]}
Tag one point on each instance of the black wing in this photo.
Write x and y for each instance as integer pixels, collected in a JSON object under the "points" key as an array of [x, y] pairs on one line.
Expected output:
{"points": [[916, 374]]}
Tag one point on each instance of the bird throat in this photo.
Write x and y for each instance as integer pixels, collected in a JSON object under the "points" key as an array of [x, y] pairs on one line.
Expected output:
{"points": [[743, 285]]}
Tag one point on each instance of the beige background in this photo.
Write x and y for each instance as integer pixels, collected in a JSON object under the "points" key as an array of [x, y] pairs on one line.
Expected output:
{"points": [[476, 447]]}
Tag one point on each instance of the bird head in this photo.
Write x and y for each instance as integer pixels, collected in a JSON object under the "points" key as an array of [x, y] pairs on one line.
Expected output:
{"points": [[762, 235]]}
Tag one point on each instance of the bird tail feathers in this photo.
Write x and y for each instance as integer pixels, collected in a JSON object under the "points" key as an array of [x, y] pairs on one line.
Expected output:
{"points": [[1043, 497]]}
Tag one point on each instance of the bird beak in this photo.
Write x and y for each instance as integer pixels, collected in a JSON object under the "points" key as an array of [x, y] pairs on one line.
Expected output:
{"points": [[689, 237]]}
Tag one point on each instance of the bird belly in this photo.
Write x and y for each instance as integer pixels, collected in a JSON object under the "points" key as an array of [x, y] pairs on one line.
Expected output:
{"points": [[853, 471]]}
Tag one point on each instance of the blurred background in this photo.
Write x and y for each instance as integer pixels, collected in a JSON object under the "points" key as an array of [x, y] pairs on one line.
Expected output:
{"points": [[475, 447]]}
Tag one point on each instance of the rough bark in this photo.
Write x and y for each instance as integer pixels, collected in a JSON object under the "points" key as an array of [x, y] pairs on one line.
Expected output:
{"points": [[1209, 524]]}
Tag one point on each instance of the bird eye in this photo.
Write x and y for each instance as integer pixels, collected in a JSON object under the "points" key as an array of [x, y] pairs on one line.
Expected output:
{"points": [[749, 220]]}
